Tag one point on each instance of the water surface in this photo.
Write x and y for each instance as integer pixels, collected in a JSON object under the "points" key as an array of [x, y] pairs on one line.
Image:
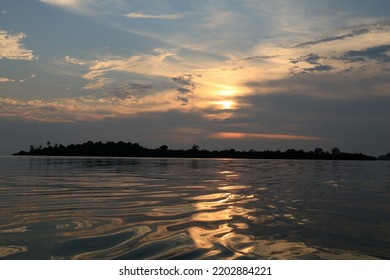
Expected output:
{"points": [[148, 208]]}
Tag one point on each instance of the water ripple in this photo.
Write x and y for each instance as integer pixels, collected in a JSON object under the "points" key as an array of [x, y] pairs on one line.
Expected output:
{"points": [[91, 208]]}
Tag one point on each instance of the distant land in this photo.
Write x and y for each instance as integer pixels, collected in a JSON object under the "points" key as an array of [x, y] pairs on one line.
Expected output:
{"points": [[122, 149], [385, 157]]}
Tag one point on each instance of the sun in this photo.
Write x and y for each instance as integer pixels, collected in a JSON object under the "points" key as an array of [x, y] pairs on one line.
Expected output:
{"points": [[226, 104]]}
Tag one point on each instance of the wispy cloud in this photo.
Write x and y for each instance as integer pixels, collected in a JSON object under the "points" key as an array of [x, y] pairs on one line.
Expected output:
{"points": [[75, 61], [147, 16], [98, 83], [362, 51], [239, 135], [154, 66], [4, 80], [379, 53], [90, 8], [88, 108], [12, 48], [7, 80], [349, 33], [132, 91], [151, 64], [74, 5], [218, 19]]}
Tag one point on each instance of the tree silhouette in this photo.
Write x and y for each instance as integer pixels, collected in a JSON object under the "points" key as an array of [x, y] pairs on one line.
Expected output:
{"points": [[318, 152], [163, 148], [336, 151], [195, 148], [122, 149]]}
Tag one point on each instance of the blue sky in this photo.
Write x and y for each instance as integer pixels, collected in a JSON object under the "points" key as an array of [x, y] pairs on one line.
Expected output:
{"points": [[244, 74]]}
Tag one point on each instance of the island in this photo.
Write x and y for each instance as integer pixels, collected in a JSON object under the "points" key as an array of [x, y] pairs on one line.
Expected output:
{"points": [[122, 149]]}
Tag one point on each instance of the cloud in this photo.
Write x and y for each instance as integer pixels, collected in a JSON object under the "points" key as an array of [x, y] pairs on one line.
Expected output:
{"points": [[310, 58], [257, 57], [98, 83], [319, 68], [239, 135], [75, 61], [353, 32], [186, 87], [151, 64], [12, 48], [184, 90], [74, 5], [379, 53], [5, 80], [134, 91], [64, 3], [145, 16], [184, 80], [32, 76], [361, 51], [87, 108]]}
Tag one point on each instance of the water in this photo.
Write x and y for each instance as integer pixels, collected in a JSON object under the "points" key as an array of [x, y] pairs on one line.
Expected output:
{"points": [[140, 208]]}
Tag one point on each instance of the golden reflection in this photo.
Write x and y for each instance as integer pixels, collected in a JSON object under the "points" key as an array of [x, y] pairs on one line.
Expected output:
{"points": [[211, 196], [267, 249], [83, 228], [206, 238], [225, 172], [227, 207], [227, 233], [218, 216], [14, 230], [241, 225], [165, 211], [11, 250], [135, 233], [233, 187]]}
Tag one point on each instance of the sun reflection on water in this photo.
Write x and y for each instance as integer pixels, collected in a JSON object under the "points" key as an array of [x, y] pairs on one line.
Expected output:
{"points": [[219, 209]]}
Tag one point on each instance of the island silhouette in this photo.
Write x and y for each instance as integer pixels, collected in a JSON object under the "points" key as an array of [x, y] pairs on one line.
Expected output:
{"points": [[122, 149]]}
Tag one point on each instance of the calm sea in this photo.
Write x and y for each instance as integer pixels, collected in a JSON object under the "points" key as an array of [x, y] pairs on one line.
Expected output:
{"points": [[155, 208]]}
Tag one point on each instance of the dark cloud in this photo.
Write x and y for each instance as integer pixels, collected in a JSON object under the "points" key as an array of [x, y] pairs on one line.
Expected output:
{"points": [[186, 87], [184, 80], [310, 58], [319, 68], [352, 82], [257, 57], [184, 90], [183, 100], [379, 53], [354, 32], [349, 123], [328, 39], [130, 91]]}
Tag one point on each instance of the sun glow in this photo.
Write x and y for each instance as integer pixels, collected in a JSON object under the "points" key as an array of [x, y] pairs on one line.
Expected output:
{"points": [[227, 92], [226, 104]]}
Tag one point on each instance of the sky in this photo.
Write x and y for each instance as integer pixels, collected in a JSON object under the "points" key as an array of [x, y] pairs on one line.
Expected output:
{"points": [[248, 74]]}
